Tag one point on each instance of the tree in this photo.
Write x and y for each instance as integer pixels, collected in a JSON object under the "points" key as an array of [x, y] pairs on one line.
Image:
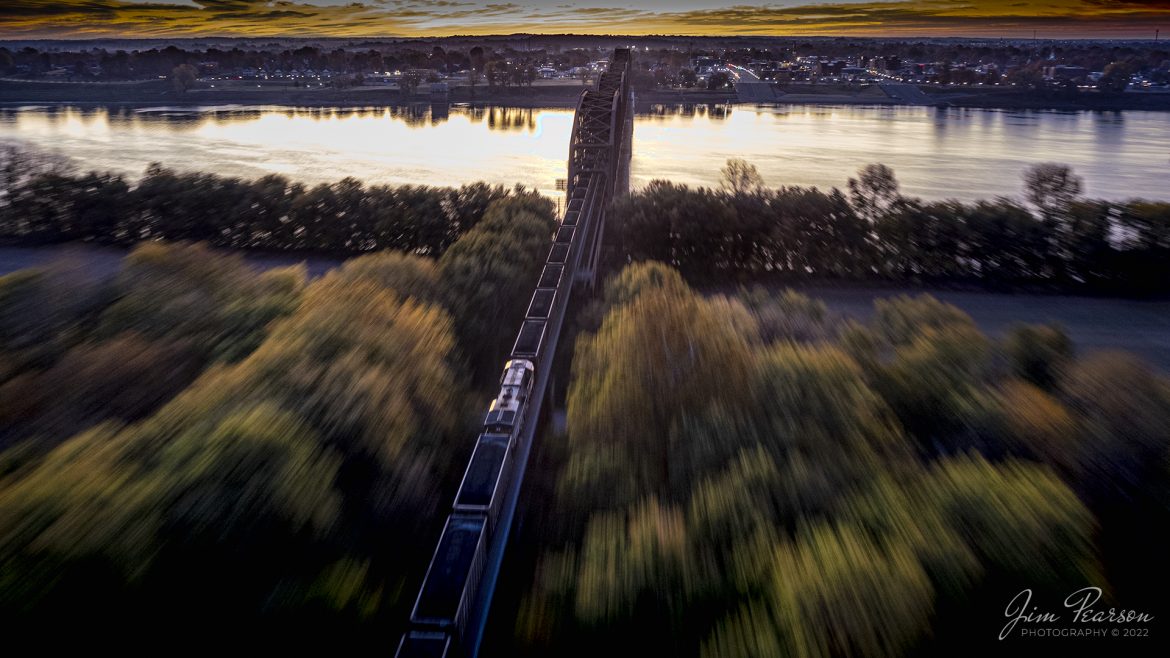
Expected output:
{"points": [[477, 59], [634, 280], [620, 418], [718, 80], [875, 191], [212, 301], [183, 77], [1029, 77], [927, 379], [1115, 78], [1124, 410], [902, 319], [740, 177], [815, 401], [1018, 518], [123, 378], [494, 74], [1015, 418], [486, 277], [832, 591], [1051, 187], [628, 558], [1039, 354], [410, 81], [473, 77], [788, 316]]}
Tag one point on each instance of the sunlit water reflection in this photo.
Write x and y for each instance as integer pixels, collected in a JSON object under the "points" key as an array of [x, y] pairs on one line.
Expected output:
{"points": [[937, 153]]}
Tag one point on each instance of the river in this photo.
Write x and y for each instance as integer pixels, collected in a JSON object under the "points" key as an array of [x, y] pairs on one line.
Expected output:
{"points": [[936, 153]]}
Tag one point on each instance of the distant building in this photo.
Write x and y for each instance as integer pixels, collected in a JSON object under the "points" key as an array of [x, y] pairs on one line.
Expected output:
{"points": [[703, 65], [1066, 72], [833, 68]]}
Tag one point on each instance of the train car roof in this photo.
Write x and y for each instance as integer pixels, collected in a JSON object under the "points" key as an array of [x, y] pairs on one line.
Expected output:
{"points": [[483, 471], [447, 576], [416, 644]]}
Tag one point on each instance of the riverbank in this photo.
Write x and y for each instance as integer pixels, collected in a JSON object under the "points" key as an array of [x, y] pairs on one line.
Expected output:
{"points": [[552, 94], [159, 92], [101, 262]]}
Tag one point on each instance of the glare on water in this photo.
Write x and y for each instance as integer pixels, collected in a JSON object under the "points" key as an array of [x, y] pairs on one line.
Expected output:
{"points": [[936, 153]]}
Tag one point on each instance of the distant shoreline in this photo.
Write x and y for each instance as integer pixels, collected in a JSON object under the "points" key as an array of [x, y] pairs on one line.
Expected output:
{"points": [[155, 93]]}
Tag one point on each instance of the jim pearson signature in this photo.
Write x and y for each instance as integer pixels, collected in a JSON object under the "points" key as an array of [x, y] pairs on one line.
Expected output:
{"points": [[1081, 604]]}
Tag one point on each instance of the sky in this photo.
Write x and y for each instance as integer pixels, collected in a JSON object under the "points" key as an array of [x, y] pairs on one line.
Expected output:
{"points": [[23, 19]]}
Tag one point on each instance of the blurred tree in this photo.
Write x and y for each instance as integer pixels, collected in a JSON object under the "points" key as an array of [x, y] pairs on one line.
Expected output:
{"points": [[738, 176], [1015, 418], [1115, 78], [183, 77], [123, 378], [486, 277], [817, 404], [788, 316], [235, 487], [663, 340], [43, 313], [926, 379], [1124, 410], [718, 80], [212, 300], [834, 592], [1039, 353], [901, 319], [409, 81], [1051, 186], [874, 192], [632, 281], [635, 562]]}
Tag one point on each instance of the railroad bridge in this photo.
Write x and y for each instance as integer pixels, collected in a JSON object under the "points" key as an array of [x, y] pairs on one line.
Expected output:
{"points": [[451, 610]]}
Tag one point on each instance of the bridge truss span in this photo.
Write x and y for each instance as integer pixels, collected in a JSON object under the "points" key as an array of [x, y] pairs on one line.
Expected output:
{"points": [[450, 612]]}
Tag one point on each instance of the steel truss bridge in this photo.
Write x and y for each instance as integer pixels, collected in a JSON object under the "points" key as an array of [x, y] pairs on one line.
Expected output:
{"points": [[451, 611]]}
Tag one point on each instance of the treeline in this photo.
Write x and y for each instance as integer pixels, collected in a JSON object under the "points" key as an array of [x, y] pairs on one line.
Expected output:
{"points": [[45, 202], [104, 63], [753, 476], [193, 445], [873, 232]]}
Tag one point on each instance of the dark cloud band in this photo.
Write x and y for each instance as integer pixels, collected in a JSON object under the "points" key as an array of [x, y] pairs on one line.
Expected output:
{"points": [[121, 18]]}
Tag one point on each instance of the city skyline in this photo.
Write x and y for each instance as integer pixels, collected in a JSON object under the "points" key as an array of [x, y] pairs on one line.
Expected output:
{"points": [[74, 19]]}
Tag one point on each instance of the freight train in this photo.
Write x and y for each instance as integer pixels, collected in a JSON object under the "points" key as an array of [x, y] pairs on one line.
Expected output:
{"points": [[440, 622], [452, 579]]}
